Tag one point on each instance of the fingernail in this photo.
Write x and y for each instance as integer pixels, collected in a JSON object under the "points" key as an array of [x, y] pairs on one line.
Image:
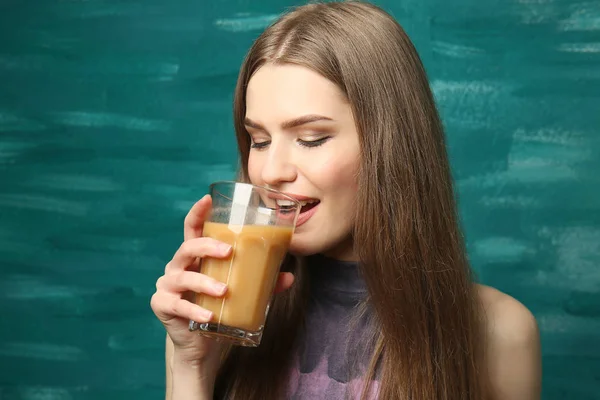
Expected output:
{"points": [[206, 315], [225, 248], [220, 287]]}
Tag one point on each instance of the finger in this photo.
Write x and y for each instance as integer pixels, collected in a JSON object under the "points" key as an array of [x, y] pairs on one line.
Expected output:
{"points": [[194, 220], [191, 281], [284, 282], [192, 249], [192, 266], [167, 306]]}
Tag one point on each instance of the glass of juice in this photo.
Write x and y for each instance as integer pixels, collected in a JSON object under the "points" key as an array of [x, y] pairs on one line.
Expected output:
{"points": [[258, 224]]}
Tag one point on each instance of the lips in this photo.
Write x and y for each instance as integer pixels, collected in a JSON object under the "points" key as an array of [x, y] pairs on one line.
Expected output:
{"points": [[303, 203], [308, 206], [307, 212], [285, 195]]}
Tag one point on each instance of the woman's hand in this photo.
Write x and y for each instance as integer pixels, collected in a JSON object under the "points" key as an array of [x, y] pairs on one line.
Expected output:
{"points": [[173, 300]]}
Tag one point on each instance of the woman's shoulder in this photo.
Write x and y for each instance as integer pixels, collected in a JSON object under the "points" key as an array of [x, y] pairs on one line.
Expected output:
{"points": [[513, 355], [506, 318]]}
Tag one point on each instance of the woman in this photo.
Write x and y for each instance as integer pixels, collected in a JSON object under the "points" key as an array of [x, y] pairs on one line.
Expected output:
{"points": [[333, 107]]}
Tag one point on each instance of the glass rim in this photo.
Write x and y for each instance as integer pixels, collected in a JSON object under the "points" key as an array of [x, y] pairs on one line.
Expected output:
{"points": [[277, 192]]}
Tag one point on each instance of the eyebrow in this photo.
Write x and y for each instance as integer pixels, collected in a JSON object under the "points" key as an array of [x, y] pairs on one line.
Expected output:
{"points": [[292, 123]]}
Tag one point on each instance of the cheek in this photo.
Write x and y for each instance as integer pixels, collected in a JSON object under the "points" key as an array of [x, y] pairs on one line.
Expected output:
{"points": [[339, 176], [254, 171]]}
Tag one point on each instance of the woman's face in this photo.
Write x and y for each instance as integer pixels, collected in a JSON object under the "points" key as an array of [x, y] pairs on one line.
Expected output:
{"points": [[305, 144]]}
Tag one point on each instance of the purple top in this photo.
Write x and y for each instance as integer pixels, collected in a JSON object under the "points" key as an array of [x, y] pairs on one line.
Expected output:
{"points": [[334, 350]]}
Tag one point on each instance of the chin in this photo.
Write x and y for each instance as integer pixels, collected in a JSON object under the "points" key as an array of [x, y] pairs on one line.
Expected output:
{"points": [[301, 252], [303, 249]]}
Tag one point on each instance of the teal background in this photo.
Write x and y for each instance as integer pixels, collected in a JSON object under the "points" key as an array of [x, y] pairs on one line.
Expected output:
{"points": [[116, 115]]}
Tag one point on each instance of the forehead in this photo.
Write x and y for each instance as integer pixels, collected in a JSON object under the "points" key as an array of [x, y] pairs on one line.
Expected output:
{"points": [[290, 90]]}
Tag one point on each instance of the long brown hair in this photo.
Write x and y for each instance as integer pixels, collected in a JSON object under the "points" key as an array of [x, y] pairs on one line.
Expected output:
{"points": [[426, 314]]}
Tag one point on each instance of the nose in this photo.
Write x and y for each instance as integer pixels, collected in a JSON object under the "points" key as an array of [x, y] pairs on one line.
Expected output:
{"points": [[279, 167]]}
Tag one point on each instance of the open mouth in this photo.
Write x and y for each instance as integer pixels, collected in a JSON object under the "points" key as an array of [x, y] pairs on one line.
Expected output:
{"points": [[287, 206], [307, 207]]}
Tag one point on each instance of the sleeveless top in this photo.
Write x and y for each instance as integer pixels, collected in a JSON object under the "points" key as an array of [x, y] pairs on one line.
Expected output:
{"points": [[335, 348]]}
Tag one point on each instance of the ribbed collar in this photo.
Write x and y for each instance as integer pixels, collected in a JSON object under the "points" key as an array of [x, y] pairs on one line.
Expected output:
{"points": [[329, 275]]}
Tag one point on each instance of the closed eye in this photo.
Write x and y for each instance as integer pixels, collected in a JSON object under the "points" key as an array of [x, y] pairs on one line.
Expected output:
{"points": [[260, 145], [313, 143]]}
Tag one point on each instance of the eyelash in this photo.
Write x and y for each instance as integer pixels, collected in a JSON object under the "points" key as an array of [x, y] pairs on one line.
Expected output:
{"points": [[310, 143]]}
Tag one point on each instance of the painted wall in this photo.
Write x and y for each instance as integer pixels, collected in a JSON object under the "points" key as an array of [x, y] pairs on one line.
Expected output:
{"points": [[115, 116]]}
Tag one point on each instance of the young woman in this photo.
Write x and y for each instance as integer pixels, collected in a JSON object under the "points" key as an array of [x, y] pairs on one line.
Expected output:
{"points": [[377, 299]]}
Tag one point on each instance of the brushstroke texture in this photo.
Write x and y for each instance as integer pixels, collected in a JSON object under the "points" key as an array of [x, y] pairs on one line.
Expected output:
{"points": [[116, 115], [245, 23]]}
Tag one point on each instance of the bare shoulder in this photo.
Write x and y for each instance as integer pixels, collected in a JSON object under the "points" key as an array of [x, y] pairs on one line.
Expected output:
{"points": [[507, 320], [513, 354]]}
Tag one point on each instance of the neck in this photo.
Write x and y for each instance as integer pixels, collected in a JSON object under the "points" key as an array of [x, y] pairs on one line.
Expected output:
{"points": [[343, 252]]}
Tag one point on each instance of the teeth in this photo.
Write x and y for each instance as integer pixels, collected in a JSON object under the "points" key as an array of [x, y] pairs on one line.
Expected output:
{"points": [[305, 202], [288, 203], [284, 203]]}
